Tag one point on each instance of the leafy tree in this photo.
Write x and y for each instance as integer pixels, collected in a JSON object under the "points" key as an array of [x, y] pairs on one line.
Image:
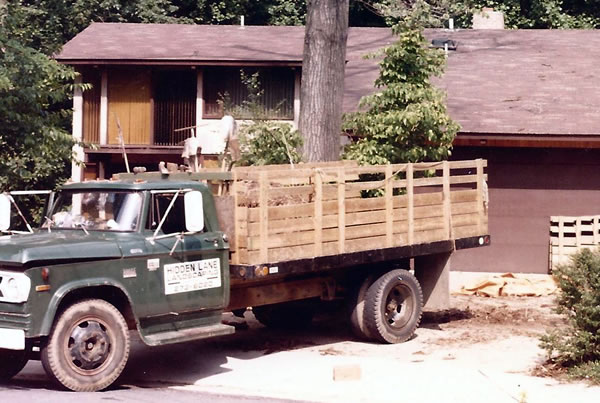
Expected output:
{"points": [[545, 13], [429, 13], [517, 13], [46, 25], [287, 12], [577, 347], [35, 149], [407, 120]]}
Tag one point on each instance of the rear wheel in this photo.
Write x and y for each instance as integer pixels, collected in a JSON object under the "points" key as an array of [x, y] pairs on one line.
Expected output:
{"points": [[286, 315], [356, 304], [12, 362], [393, 307], [88, 346]]}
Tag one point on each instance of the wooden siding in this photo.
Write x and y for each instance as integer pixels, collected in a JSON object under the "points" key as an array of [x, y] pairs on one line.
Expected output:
{"points": [[129, 100], [91, 106], [527, 187]]}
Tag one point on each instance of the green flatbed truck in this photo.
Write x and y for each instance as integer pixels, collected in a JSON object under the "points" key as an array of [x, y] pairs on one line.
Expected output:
{"points": [[146, 253]]}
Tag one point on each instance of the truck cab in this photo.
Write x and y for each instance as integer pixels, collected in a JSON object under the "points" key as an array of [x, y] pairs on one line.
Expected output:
{"points": [[111, 256]]}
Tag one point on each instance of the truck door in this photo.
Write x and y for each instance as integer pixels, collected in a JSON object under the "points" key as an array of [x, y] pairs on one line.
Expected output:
{"points": [[188, 266]]}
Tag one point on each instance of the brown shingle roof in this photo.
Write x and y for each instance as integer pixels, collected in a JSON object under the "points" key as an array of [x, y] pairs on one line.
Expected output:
{"points": [[529, 82], [524, 81], [178, 43]]}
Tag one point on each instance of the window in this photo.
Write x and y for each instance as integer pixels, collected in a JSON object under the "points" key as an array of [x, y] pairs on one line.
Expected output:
{"points": [[91, 106], [174, 105], [277, 84], [174, 221], [96, 210]]}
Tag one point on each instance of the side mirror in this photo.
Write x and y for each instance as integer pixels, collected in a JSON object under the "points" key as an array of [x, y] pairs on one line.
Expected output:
{"points": [[4, 212], [194, 211]]}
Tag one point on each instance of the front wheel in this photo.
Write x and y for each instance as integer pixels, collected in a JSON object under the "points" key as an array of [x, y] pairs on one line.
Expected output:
{"points": [[393, 307], [88, 346], [12, 362]]}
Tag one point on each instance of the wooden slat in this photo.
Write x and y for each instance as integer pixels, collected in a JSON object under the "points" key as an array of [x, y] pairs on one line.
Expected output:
{"points": [[235, 258], [410, 204], [341, 211], [264, 216], [318, 239], [480, 190], [446, 200], [389, 206], [561, 239]]}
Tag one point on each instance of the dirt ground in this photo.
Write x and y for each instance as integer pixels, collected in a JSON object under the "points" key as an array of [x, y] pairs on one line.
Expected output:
{"points": [[469, 320], [480, 349], [474, 319]]}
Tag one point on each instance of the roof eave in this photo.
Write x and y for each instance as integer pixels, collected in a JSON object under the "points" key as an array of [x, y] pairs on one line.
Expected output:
{"points": [[172, 62]]}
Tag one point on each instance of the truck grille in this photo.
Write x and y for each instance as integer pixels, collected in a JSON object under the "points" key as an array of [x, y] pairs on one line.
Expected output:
{"points": [[13, 320]]}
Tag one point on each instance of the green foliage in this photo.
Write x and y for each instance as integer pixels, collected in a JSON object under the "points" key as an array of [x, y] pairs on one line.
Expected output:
{"points": [[429, 13], [578, 346], [287, 12], [517, 13], [406, 121], [35, 148], [46, 25], [263, 142], [545, 13]]}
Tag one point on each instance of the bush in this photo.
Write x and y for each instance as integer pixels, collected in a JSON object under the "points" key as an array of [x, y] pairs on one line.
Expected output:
{"points": [[577, 347], [264, 143]]}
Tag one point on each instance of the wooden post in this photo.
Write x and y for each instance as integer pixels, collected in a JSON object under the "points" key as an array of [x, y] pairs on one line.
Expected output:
{"points": [[389, 207], [561, 237], [595, 229], [578, 232], [236, 220], [480, 199], [446, 199], [318, 213], [264, 216], [341, 210], [411, 204]]}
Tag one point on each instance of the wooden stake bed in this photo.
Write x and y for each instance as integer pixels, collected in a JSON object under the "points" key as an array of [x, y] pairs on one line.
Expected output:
{"points": [[284, 214]]}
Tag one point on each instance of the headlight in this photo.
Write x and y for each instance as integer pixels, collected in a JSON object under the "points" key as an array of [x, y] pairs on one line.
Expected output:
{"points": [[14, 287]]}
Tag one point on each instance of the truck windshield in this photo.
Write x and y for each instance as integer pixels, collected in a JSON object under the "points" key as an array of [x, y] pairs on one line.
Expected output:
{"points": [[96, 210]]}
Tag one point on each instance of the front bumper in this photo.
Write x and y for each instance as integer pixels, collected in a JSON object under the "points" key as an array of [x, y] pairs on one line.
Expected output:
{"points": [[12, 339], [15, 325]]}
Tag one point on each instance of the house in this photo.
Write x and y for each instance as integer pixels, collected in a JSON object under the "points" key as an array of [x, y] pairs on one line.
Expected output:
{"points": [[526, 100]]}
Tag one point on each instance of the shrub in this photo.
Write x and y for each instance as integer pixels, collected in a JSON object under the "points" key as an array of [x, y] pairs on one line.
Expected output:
{"points": [[577, 347], [263, 142]]}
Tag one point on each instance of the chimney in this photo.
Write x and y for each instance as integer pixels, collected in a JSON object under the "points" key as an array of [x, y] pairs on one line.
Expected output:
{"points": [[487, 18]]}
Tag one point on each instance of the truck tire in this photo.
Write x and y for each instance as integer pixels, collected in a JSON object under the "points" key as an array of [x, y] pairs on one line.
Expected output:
{"points": [[286, 315], [357, 309], [393, 307], [12, 362], [88, 346]]}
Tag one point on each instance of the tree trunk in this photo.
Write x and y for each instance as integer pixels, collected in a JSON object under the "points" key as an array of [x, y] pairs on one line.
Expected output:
{"points": [[322, 88]]}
